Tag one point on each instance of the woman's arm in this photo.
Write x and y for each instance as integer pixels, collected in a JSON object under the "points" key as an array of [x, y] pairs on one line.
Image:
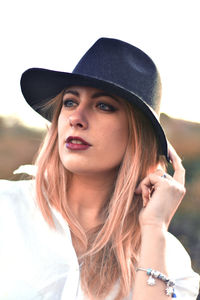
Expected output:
{"points": [[153, 253], [155, 218]]}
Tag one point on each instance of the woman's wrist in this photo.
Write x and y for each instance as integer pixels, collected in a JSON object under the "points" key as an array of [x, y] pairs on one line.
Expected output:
{"points": [[153, 248]]}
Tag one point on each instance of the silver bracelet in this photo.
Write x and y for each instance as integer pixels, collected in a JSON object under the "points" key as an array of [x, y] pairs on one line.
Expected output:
{"points": [[169, 291]]}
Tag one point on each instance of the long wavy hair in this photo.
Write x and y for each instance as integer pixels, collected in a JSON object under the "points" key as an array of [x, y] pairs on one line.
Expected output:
{"points": [[110, 251]]}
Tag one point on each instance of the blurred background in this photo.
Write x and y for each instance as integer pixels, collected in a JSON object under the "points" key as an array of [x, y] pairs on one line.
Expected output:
{"points": [[54, 35]]}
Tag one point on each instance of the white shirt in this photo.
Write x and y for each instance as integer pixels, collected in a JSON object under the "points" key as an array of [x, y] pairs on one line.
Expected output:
{"points": [[40, 263]]}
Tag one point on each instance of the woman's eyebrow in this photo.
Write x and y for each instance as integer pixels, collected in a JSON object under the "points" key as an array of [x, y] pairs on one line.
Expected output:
{"points": [[73, 92], [96, 95], [103, 94]]}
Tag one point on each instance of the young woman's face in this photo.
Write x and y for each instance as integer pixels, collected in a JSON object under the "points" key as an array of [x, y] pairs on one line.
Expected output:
{"points": [[92, 131]]}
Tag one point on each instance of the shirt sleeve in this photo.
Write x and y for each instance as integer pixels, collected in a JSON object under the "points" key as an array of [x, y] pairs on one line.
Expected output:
{"points": [[180, 269]]}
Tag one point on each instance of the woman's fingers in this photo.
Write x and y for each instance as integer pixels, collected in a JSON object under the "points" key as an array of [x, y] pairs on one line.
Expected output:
{"points": [[146, 187], [162, 193], [179, 171], [149, 181]]}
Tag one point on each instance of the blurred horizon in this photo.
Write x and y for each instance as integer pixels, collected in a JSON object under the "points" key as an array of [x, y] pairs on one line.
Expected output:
{"points": [[38, 122]]}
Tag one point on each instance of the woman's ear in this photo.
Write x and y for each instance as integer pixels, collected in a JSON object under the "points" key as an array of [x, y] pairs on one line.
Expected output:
{"points": [[160, 166]]}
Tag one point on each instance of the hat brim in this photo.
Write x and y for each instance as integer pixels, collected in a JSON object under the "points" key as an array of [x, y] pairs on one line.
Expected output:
{"points": [[41, 85]]}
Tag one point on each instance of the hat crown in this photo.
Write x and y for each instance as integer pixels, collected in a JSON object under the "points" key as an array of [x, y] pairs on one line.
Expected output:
{"points": [[125, 66]]}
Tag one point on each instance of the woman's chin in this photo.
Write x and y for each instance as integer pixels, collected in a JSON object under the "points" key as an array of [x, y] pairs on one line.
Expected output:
{"points": [[86, 170], [78, 168]]}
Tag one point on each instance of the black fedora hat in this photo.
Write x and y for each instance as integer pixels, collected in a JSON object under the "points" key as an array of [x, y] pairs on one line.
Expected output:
{"points": [[112, 65]]}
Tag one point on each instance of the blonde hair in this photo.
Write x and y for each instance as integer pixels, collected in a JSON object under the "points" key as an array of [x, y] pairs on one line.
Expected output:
{"points": [[109, 251]]}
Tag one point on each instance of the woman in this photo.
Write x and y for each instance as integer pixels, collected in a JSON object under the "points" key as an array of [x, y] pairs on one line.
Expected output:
{"points": [[93, 224]]}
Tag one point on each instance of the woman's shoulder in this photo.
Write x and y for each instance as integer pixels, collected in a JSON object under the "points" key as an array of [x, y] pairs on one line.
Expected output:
{"points": [[9, 187], [16, 193], [180, 268]]}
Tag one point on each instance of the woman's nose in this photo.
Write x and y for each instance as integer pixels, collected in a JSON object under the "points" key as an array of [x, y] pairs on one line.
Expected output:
{"points": [[78, 119]]}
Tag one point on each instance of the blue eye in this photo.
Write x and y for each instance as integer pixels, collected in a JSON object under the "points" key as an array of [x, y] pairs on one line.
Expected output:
{"points": [[69, 103], [106, 107]]}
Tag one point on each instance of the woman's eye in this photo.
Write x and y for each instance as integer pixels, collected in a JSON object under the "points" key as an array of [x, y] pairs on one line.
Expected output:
{"points": [[106, 107], [69, 103]]}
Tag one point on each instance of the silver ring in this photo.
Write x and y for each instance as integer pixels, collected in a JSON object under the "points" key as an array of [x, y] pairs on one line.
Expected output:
{"points": [[164, 176]]}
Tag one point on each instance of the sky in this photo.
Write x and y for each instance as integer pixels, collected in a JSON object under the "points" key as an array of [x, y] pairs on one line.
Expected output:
{"points": [[55, 34]]}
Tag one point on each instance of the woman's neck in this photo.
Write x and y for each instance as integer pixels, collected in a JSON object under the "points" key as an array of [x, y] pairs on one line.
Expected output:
{"points": [[87, 196]]}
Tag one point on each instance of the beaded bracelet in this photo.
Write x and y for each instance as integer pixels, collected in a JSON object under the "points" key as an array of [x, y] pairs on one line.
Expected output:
{"points": [[169, 291]]}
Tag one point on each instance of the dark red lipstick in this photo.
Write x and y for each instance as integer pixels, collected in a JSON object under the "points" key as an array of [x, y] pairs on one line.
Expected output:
{"points": [[76, 143]]}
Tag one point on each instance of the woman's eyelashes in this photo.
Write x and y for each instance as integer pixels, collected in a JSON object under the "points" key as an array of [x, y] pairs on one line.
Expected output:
{"points": [[103, 106], [106, 107], [69, 103]]}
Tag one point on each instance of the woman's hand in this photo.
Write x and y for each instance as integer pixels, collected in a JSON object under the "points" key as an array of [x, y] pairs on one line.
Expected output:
{"points": [[162, 194]]}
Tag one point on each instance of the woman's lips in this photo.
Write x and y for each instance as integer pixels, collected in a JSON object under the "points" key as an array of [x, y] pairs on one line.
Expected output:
{"points": [[76, 143]]}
